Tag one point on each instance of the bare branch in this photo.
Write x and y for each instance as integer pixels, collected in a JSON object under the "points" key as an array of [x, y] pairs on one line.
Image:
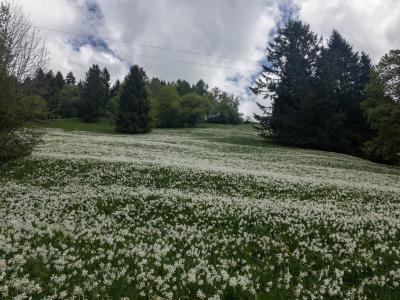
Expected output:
{"points": [[22, 51]]}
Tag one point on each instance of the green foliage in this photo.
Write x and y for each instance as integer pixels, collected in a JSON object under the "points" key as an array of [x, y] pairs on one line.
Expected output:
{"points": [[341, 77], [224, 108], [134, 104], [70, 78], [183, 87], [201, 88], [18, 142], [383, 111], [112, 107], [15, 139], [194, 108], [68, 100], [293, 55], [168, 108], [94, 94], [316, 91], [33, 108]]}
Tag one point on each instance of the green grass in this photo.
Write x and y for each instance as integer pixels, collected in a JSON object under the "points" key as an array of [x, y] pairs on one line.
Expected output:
{"points": [[103, 126]]}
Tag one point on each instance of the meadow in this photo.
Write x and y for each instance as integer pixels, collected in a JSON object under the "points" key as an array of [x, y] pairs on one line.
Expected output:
{"points": [[215, 212]]}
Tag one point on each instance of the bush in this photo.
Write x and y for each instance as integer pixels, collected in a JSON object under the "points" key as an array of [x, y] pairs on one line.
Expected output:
{"points": [[168, 108], [16, 113], [18, 142]]}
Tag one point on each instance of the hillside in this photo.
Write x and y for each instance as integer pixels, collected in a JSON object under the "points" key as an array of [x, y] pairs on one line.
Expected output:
{"points": [[215, 211]]}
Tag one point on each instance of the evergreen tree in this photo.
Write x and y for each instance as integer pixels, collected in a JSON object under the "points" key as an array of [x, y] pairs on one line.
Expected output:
{"points": [[112, 104], [59, 81], [40, 83], [105, 78], [382, 109], [201, 88], [70, 78], [92, 95], [68, 101], [289, 80], [316, 92], [342, 75], [183, 87], [134, 105], [115, 88]]}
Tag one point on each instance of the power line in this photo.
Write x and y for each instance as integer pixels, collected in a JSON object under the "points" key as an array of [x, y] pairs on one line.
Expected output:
{"points": [[151, 45], [181, 61]]}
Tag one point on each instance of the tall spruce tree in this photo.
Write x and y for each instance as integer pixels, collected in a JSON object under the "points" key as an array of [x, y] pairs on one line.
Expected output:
{"points": [[55, 85], [70, 78], [342, 74], [316, 92], [105, 78], [92, 95], [183, 87], [288, 79], [59, 81], [134, 104], [115, 88]]}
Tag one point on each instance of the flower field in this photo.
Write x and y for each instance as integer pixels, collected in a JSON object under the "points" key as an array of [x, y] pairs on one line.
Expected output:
{"points": [[206, 213]]}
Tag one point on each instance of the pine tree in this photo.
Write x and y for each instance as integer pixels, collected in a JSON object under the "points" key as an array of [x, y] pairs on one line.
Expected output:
{"points": [[183, 87], [134, 104], [115, 88], [70, 79], [59, 81], [201, 88], [40, 83], [342, 75], [54, 85], [105, 78], [288, 79], [92, 95]]}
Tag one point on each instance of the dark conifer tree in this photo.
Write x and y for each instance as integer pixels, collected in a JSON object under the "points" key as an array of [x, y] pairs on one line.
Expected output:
{"points": [[183, 87], [59, 81], [70, 78], [40, 83], [316, 92], [200, 88], [288, 79], [92, 95], [342, 75], [134, 104], [105, 78], [115, 88]]}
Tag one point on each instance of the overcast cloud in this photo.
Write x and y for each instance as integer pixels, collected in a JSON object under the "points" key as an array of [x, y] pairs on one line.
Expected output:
{"points": [[112, 34]]}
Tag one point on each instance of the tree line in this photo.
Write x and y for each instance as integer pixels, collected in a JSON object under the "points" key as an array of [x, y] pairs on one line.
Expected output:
{"points": [[329, 97], [137, 104], [29, 94]]}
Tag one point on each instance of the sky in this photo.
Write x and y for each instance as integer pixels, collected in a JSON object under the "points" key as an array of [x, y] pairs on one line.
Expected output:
{"points": [[220, 41]]}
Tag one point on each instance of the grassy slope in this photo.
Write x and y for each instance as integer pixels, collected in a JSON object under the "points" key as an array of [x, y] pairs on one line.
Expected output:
{"points": [[237, 209], [104, 126]]}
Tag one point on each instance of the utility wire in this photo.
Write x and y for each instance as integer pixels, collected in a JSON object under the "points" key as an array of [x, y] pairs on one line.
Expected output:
{"points": [[150, 45], [180, 61]]}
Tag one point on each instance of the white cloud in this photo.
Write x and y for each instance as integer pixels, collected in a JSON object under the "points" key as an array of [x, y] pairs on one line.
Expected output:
{"points": [[369, 25]]}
